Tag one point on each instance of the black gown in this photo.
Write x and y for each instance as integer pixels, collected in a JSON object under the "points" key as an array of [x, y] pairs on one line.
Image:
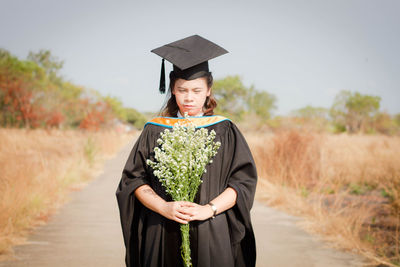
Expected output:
{"points": [[226, 240]]}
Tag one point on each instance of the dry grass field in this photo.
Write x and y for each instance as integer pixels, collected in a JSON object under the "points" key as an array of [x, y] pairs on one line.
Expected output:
{"points": [[37, 170], [347, 187]]}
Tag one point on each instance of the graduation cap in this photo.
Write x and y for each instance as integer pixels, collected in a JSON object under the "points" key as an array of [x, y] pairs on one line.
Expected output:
{"points": [[189, 57]]}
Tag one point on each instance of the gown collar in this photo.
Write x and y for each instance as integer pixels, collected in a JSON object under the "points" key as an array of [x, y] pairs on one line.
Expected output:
{"points": [[199, 121], [180, 115]]}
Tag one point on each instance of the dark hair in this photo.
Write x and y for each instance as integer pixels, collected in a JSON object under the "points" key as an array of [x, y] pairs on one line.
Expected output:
{"points": [[171, 108]]}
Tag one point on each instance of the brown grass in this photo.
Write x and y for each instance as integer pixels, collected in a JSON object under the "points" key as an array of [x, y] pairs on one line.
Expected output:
{"points": [[346, 186], [39, 167]]}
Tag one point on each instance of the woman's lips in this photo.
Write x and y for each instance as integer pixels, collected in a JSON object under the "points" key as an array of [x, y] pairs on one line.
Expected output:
{"points": [[187, 106]]}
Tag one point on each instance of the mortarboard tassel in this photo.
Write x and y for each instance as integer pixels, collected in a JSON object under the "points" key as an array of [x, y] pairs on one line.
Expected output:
{"points": [[162, 79]]}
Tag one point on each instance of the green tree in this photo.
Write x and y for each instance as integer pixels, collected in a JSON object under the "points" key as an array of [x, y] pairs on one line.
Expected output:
{"points": [[231, 95], [261, 103], [70, 91], [315, 117], [49, 63], [116, 107], [235, 100], [135, 117], [311, 113], [19, 93], [384, 123], [396, 119], [354, 111], [32, 94]]}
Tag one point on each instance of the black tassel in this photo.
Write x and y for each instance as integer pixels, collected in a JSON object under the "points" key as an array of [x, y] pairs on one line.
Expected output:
{"points": [[162, 79]]}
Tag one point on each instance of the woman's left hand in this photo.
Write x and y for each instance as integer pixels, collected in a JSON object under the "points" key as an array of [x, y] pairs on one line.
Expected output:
{"points": [[198, 212]]}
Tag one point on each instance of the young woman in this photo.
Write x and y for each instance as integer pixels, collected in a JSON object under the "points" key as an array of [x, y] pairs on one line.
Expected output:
{"points": [[221, 233]]}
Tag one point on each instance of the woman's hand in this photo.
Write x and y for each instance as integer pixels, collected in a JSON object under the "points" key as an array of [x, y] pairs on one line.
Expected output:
{"points": [[198, 212], [173, 210], [184, 211], [177, 211]]}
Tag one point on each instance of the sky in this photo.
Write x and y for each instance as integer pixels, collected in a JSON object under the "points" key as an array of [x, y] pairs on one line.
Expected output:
{"points": [[303, 52]]}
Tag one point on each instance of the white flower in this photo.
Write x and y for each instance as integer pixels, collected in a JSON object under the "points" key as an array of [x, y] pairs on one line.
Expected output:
{"points": [[181, 159]]}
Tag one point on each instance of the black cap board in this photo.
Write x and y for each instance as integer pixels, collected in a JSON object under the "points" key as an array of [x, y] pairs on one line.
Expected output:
{"points": [[189, 57]]}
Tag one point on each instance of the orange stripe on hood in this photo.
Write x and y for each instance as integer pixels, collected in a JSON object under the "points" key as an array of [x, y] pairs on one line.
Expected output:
{"points": [[202, 121]]}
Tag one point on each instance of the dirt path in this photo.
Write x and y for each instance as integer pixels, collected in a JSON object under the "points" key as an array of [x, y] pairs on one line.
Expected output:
{"points": [[86, 232]]}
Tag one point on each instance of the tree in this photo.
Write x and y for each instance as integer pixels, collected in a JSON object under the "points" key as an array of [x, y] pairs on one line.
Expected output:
{"points": [[116, 107], [48, 62], [235, 99], [19, 96], [316, 117], [135, 117], [32, 94], [261, 103], [354, 110], [397, 119], [383, 123], [231, 94], [311, 113]]}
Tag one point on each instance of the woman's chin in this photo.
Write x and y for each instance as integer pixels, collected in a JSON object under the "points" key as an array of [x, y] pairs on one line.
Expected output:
{"points": [[191, 113]]}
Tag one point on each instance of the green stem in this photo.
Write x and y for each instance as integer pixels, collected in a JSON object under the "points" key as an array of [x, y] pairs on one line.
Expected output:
{"points": [[185, 247]]}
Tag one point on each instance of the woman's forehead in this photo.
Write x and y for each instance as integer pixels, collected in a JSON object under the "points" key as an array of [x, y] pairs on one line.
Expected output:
{"points": [[191, 84]]}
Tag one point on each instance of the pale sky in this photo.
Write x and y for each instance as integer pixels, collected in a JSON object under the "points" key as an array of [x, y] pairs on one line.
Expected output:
{"points": [[303, 52]]}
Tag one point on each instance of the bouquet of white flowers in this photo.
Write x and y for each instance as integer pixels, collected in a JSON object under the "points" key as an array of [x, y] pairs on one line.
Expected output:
{"points": [[180, 163]]}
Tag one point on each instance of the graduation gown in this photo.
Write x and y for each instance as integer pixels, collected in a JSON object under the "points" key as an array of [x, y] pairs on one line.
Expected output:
{"points": [[226, 240]]}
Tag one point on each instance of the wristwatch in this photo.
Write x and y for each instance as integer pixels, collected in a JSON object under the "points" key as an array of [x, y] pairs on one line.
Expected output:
{"points": [[214, 208]]}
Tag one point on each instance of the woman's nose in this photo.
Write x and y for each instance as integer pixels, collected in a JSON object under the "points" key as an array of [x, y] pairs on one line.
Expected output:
{"points": [[189, 96]]}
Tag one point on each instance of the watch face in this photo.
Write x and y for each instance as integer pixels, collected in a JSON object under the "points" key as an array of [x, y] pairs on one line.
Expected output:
{"points": [[214, 208]]}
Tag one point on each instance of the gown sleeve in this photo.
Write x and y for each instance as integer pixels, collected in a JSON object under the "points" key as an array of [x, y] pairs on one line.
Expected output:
{"points": [[243, 178], [134, 175]]}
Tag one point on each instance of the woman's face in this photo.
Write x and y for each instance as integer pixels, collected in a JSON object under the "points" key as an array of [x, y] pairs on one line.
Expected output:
{"points": [[191, 95]]}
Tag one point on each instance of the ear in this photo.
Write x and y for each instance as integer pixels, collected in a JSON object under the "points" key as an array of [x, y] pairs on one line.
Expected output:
{"points": [[209, 91]]}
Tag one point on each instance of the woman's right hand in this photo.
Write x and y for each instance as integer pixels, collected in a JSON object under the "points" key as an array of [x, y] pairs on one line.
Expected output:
{"points": [[175, 210]]}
